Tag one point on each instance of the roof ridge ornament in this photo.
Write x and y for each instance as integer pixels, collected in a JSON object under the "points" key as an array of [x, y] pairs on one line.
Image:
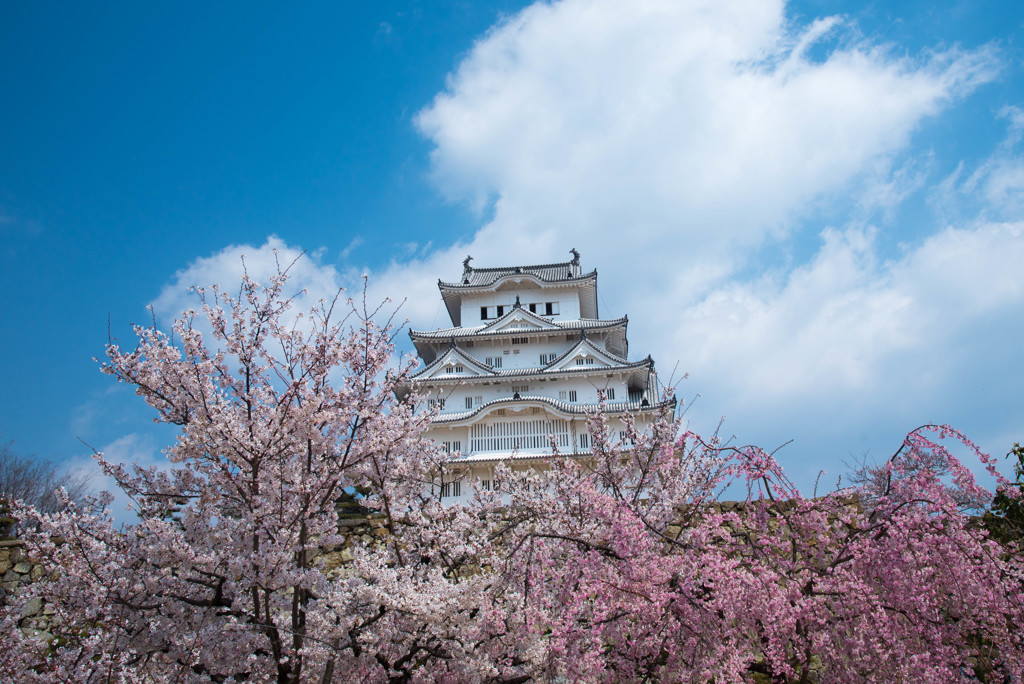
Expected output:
{"points": [[583, 334], [575, 260], [466, 268], [518, 304], [451, 343]]}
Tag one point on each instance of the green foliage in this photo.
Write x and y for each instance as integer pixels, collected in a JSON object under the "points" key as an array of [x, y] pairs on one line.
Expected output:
{"points": [[1006, 519]]}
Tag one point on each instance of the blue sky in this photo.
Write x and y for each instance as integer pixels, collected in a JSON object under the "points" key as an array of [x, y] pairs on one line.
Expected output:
{"points": [[815, 209]]}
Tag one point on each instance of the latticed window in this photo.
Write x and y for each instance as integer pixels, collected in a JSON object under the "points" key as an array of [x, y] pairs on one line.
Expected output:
{"points": [[511, 435], [451, 489]]}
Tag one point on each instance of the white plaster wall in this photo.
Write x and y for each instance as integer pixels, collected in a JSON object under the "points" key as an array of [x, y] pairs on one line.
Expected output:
{"points": [[568, 302], [519, 355], [585, 385]]}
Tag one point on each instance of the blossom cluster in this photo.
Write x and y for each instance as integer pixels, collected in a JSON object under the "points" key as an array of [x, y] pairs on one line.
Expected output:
{"points": [[617, 567]]}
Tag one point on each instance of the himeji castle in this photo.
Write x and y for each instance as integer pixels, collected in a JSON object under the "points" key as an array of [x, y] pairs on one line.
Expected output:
{"points": [[526, 359]]}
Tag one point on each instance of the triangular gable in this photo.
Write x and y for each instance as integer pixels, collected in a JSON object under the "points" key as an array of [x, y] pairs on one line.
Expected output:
{"points": [[446, 365], [584, 349], [519, 319]]}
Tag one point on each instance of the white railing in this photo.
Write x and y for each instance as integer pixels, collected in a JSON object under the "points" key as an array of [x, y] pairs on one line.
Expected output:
{"points": [[519, 435]]}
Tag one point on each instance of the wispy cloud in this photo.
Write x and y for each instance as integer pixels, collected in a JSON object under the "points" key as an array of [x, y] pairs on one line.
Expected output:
{"points": [[131, 449], [226, 268]]}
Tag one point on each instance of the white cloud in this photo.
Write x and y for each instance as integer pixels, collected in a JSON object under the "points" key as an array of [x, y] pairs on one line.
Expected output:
{"points": [[849, 322], [1000, 179], [226, 267], [703, 126], [132, 449]]}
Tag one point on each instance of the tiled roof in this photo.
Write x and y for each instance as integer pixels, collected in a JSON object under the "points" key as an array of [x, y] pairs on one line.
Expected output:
{"points": [[487, 456], [479, 330], [587, 343], [469, 360], [580, 409], [534, 372], [549, 273]]}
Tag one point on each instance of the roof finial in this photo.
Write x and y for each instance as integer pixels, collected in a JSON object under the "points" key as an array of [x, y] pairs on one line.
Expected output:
{"points": [[583, 334], [451, 343], [465, 264], [517, 305], [575, 257]]}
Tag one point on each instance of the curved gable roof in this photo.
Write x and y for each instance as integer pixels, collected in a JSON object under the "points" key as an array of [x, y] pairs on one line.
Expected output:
{"points": [[587, 347], [457, 355]]}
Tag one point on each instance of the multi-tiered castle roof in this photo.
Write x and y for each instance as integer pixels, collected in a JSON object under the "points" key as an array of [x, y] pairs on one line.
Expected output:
{"points": [[526, 359]]}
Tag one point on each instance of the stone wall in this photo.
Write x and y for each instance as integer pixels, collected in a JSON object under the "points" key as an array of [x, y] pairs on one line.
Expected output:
{"points": [[17, 570]]}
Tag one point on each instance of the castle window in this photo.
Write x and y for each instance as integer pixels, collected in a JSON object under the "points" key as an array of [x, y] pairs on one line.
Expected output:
{"points": [[436, 403], [501, 311], [567, 395], [451, 489], [550, 308], [533, 308], [493, 361], [487, 485], [610, 393], [585, 440], [451, 447], [520, 389]]}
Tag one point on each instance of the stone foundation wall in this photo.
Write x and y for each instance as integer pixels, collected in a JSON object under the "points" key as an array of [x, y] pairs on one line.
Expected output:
{"points": [[17, 571]]}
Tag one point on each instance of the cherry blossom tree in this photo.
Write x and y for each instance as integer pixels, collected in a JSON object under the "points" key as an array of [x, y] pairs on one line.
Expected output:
{"points": [[623, 566], [279, 415], [642, 578]]}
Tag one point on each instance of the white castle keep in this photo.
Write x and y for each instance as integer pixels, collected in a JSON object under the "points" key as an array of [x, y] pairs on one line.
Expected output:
{"points": [[525, 361]]}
